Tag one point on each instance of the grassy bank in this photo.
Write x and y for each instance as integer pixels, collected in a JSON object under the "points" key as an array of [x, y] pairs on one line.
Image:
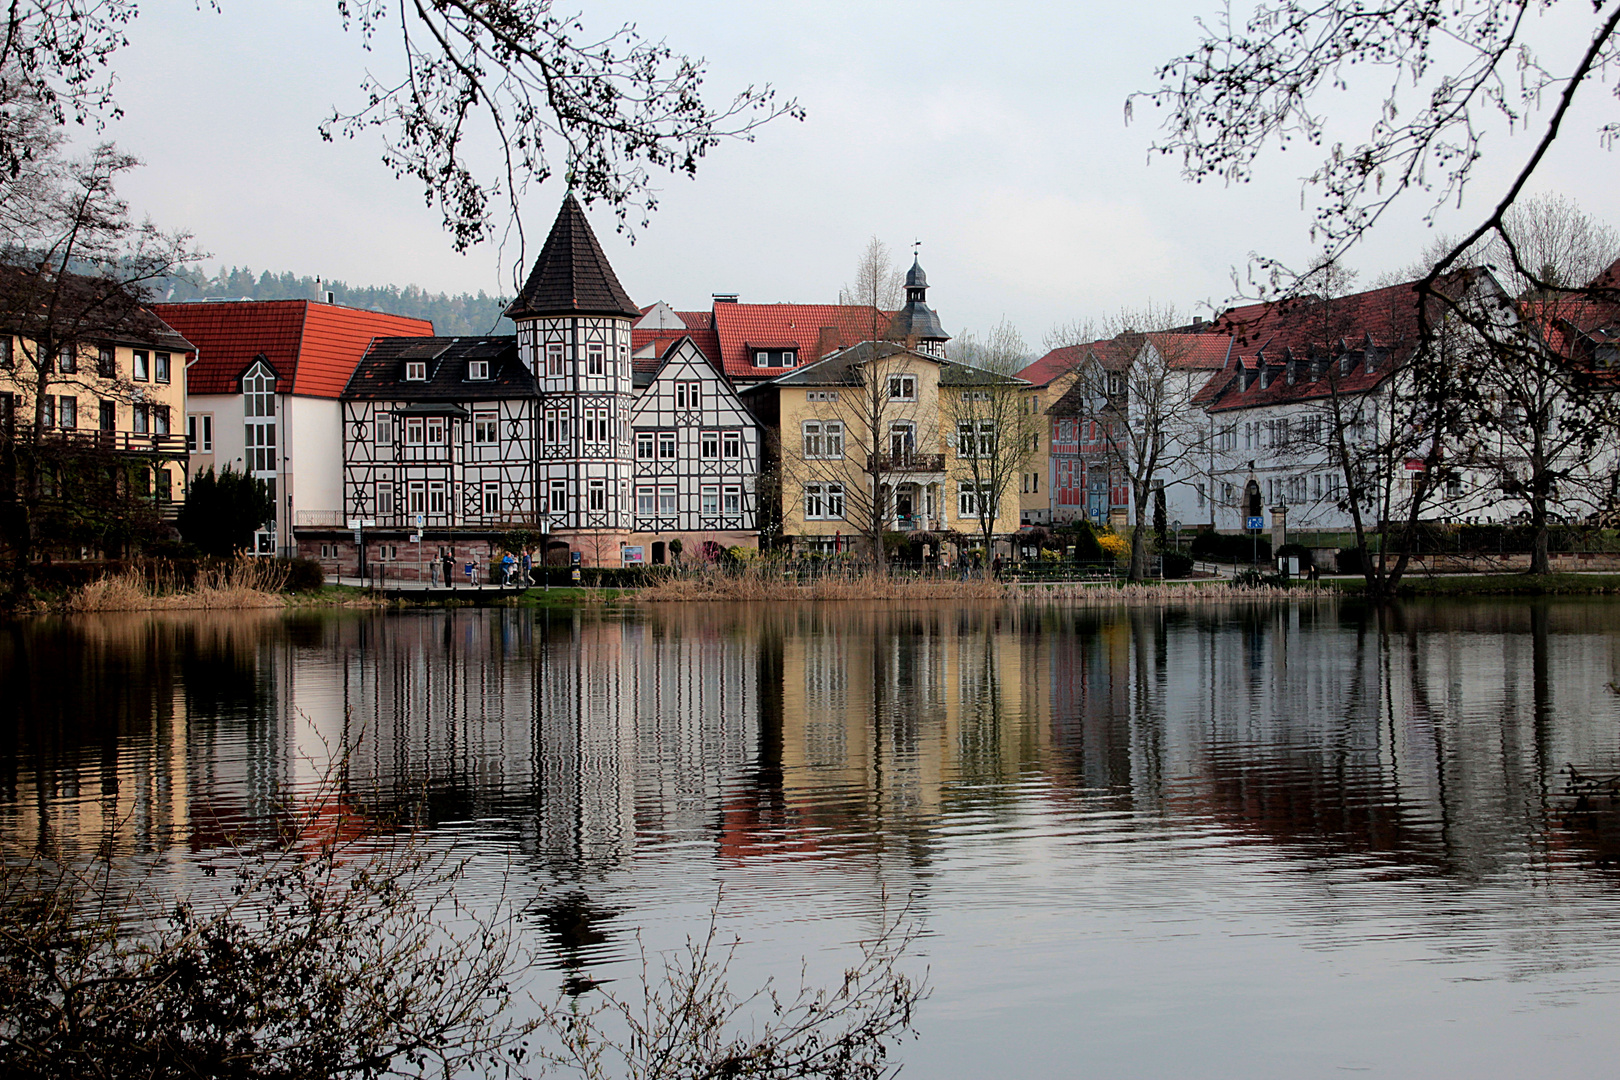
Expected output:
{"points": [[753, 587], [1499, 585]]}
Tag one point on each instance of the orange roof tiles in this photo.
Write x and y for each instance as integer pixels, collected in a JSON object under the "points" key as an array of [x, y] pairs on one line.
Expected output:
{"points": [[699, 326], [815, 330], [314, 348]]}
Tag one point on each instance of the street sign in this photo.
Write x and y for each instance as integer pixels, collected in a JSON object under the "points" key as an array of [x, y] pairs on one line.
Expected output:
{"points": [[357, 537], [421, 520], [370, 523], [1257, 523], [1175, 526]]}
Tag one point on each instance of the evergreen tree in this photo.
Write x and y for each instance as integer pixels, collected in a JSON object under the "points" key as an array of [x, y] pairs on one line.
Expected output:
{"points": [[222, 511]]}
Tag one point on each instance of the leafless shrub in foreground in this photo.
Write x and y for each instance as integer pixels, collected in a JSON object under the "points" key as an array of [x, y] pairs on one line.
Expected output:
{"points": [[688, 1022]]}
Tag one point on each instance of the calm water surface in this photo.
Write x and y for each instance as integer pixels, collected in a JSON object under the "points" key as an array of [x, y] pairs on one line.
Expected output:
{"points": [[1287, 841]]}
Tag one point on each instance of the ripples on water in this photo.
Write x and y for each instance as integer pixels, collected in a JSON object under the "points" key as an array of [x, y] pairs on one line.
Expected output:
{"points": [[1272, 841]]}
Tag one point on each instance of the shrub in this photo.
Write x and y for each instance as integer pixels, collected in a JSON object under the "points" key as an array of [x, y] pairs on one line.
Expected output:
{"points": [[1083, 539], [1350, 561], [303, 575], [1297, 551], [1113, 546], [1230, 547], [1177, 564]]}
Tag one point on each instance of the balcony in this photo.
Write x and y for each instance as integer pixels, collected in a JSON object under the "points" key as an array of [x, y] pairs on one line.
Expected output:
{"points": [[119, 442], [906, 463], [338, 519]]}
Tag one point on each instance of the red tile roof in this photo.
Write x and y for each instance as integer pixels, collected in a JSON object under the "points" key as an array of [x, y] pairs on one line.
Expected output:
{"points": [[1062, 361], [1194, 352], [1300, 329], [699, 326], [815, 330], [1054, 364], [313, 347]]}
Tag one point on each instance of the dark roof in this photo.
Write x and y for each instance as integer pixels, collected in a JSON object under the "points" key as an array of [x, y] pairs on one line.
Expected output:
{"points": [[1311, 334], [572, 276], [85, 309], [917, 320], [915, 278], [840, 369], [380, 375], [312, 347]]}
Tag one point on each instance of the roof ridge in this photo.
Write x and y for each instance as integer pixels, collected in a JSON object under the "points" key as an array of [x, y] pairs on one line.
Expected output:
{"points": [[572, 275]]}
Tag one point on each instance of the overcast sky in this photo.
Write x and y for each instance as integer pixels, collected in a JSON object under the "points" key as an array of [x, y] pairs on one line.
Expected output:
{"points": [[994, 134]]}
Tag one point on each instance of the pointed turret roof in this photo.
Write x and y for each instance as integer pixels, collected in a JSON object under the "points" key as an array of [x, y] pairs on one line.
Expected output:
{"points": [[572, 276], [917, 320]]}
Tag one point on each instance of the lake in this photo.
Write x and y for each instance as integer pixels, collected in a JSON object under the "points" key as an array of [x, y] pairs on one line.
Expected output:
{"points": [[1270, 840]]}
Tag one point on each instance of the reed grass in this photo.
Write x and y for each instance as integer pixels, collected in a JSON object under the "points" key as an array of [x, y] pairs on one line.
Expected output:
{"points": [[242, 583], [753, 584]]}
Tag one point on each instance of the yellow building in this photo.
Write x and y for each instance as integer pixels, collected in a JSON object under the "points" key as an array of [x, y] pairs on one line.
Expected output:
{"points": [[1049, 379], [100, 376], [884, 433]]}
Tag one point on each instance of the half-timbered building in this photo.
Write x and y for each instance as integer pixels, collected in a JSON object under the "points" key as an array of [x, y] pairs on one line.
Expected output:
{"points": [[696, 457], [438, 439], [573, 334]]}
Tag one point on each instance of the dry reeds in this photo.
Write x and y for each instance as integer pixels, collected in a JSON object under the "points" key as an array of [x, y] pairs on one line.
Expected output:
{"points": [[244, 583], [1164, 593], [756, 584]]}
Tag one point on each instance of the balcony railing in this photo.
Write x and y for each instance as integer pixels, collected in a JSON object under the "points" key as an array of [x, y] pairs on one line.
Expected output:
{"points": [[338, 519], [122, 442], [906, 463]]}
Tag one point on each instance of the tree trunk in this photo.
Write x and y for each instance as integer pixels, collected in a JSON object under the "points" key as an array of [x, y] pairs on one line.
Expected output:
{"points": [[1540, 548], [1139, 537]]}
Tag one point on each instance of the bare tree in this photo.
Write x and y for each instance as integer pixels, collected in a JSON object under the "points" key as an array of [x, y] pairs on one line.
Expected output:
{"points": [[867, 439], [993, 416], [1448, 67], [1451, 70], [76, 275], [1538, 414], [606, 111], [687, 1020], [877, 285], [1382, 405], [1135, 384]]}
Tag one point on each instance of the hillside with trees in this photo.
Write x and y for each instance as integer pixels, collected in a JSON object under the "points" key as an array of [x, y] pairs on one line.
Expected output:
{"points": [[462, 313]]}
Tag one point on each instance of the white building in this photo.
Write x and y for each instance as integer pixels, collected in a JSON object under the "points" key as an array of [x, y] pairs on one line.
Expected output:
{"points": [[696, 456], [263, 398]]}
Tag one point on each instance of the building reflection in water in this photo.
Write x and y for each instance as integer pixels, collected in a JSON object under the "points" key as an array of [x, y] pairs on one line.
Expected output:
{"points": [[1430, 738]]}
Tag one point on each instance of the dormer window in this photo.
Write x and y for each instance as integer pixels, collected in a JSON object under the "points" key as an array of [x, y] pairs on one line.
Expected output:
{"points": [[477, 370], [416, 371], [775, 358]]}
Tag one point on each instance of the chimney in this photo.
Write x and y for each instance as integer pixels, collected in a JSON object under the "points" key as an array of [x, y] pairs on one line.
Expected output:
{"points": [[1198, 320], [724, 297], [329, 297]]}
